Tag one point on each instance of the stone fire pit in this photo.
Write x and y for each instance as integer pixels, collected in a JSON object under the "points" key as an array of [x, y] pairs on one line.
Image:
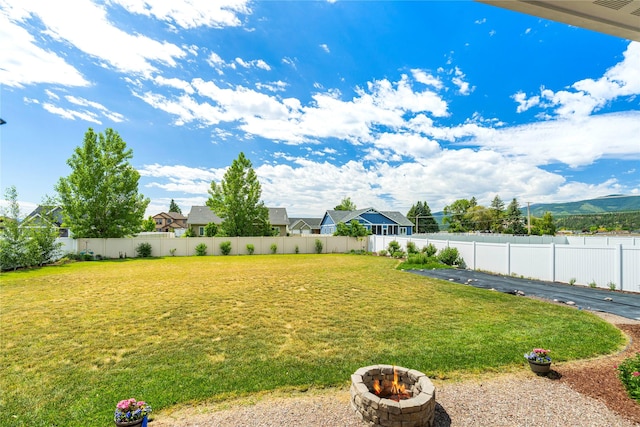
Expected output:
{"points": [[416, 411]]}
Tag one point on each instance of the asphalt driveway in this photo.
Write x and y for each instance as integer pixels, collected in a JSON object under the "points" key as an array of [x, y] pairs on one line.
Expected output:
{"points": [[620, 303]]}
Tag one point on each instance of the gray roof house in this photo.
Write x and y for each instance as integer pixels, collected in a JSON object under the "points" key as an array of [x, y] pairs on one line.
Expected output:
{"points": [[39, 217], [279, 220], [382, 223], [199, 217], [304, 225]]}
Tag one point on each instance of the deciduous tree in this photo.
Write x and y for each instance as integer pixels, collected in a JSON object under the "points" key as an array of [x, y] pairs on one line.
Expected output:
{"points": [[346, 205], [236, 199], [100, 197]]}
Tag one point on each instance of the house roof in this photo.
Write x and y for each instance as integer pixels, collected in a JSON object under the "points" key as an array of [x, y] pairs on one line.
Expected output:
{"points": [[55, 212], [172, 215], [202, 215], [311, 222], [615, 17], [348, 216], [278, 216]]}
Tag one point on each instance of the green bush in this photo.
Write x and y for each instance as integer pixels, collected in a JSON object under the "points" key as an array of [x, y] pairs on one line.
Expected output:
{"points": [[629, 374], [201, 249], [593, 284], [318, 246], [398, 254], [274, 248], [144, 250], [411, 248], [225, 247], [450, 256], [393, 247], [250, 248], [430, 250], [297, 249], [382, 252]]}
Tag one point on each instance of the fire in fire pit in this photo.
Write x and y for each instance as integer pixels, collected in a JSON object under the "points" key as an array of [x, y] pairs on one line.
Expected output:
{"points": [[391, 389], [384, 395]]}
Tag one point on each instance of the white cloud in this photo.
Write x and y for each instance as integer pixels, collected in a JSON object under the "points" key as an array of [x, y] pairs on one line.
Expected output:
{"points": [[191, 13], [22, 62], [458, 79], [325, 47], [588, 96], [574, 143], [256, 63], [71, 114], [95, 35], [480, 21], [277, 86], [421, 76]]}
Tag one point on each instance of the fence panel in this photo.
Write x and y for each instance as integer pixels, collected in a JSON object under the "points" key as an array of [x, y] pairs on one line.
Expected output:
{"points": [[491, 257], [532, 261], [586, 265], [630, 269]]}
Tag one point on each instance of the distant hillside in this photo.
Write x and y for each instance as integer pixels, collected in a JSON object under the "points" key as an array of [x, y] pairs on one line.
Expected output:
{"points": [[615, 210], [607, 204]]}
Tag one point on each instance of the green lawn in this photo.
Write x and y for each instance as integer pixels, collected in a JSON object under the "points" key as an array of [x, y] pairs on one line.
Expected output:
{"points": [[78, 338]]}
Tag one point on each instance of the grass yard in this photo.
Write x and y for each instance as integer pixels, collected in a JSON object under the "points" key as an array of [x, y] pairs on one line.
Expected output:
{"points": [[78, 338]]}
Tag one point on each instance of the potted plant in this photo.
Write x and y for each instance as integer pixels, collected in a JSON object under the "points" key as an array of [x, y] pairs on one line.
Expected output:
{"points": [[132, 412], [539, 360]]}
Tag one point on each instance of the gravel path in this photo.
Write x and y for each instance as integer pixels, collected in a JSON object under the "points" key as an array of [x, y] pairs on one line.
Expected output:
{"points": [[517, 399], [499, 402]]}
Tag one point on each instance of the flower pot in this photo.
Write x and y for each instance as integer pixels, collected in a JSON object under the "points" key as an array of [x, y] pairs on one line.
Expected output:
{"points": [[141, 422], [540, 368]]}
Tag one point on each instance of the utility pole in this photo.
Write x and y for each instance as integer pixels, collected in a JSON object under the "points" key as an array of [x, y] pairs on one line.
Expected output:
{"points": [[529, 217]]}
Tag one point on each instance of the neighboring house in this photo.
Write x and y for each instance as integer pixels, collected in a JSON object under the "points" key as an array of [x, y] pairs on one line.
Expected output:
{"points": [[304, 225], [389, 223], [279, 221], [170, 222], [199, 217], [37, 219]]}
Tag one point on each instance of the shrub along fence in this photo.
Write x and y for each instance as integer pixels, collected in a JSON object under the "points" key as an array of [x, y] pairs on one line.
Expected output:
{"points": [[126, 247], [605, 265]]}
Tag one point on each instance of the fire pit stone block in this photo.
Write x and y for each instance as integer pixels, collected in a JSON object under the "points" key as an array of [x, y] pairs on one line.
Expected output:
{"points": [[416, 411]]}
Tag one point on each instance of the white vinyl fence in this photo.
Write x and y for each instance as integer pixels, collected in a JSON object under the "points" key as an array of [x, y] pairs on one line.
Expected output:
{"points": [[603, 262]]}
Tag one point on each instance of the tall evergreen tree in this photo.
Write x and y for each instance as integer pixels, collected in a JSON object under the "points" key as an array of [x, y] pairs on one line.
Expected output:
{"points": [[497, 214], [100, 197], [515, 222], [421, 213], [173, 207], [237, 201]]}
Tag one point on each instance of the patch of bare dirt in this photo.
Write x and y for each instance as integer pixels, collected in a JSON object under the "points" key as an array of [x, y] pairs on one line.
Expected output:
{"points": [[598, 378]]}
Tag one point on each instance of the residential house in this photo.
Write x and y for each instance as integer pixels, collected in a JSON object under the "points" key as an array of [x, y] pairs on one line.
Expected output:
{"points": [[42, 215], [304, 226], [199, 217], [382, 223], [279, 221], [170, 222]]}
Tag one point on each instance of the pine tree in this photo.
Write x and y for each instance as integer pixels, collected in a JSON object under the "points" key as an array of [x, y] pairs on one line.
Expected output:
{"points": [[421, 213], [173, 207]]}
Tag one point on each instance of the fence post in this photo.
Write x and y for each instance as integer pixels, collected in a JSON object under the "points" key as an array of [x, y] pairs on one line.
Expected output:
{"points": [[474, 255], [508, 259], [619, 267], [553, 262]]}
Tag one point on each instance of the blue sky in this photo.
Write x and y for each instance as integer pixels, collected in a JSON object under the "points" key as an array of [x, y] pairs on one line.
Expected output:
{"points": [[387, 103]]}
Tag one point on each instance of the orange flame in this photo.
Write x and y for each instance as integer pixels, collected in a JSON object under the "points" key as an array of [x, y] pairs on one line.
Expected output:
{"points": [[391, 389]]}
